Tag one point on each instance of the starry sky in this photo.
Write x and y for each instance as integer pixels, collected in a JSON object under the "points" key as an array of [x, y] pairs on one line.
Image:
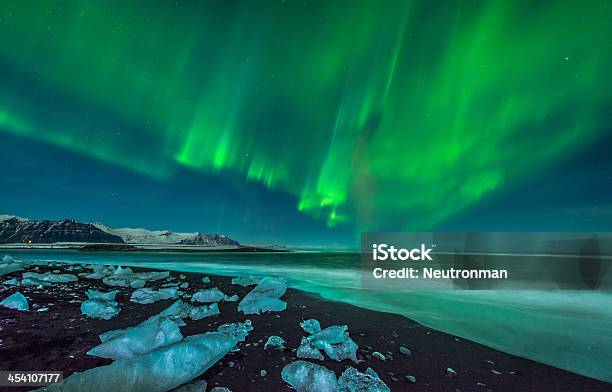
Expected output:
{"points": [[307, 122]]}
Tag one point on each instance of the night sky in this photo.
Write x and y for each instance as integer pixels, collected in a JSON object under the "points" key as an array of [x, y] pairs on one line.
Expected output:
{"points": [[306, 122]]}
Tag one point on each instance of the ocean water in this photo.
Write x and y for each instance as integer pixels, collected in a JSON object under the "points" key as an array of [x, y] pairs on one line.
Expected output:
{"points": [[571, 330]]}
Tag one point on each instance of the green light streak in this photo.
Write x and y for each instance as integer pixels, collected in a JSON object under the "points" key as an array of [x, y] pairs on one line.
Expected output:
{"points": [[394, 116]]}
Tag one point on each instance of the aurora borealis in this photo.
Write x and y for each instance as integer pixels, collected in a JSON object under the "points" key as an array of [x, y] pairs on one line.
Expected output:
{"points": [[367, 115]]}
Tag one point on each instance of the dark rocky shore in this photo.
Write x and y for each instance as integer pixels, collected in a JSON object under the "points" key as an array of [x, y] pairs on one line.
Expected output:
{"points": [[58, 339]]}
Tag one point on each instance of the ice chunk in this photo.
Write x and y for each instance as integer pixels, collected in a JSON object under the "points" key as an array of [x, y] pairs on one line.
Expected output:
{"points": [[311, 326], [159, 370], [275, 342], [307, 350], [134, 280], [206, 279], [238, 330], [208, 295], [233, 298], [107, 296], [100, 308], [334, 341], [341, 351], [330, 335], [220, 389], [179, 309], [184, 285], [148, 296], [50, 277], [352, 380], [123, 271], [139, 340], [16, 301], [308, 377], [198, 313], [198, 386], [245, 281], [34, 282], [9, 265], [138, 283], [11, 282], [265, 297]]}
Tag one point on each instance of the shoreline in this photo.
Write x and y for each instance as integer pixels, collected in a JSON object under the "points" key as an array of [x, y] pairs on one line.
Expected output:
{"points": [[59, 338], [169, 248]]}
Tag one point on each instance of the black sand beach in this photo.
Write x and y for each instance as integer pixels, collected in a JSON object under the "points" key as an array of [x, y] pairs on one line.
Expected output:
{"points": [[59, 338]]}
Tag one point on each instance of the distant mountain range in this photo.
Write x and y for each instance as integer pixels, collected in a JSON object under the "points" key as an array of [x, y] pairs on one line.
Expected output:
{"points": [[14, 229]]}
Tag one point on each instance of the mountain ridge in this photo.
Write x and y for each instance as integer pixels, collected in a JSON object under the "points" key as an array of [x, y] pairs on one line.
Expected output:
{"points": [[14, 229]]}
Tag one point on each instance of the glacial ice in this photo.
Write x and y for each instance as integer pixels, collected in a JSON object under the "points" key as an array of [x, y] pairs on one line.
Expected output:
{"points": [[11, 282], [200, 312], [275, 342], [151, 334], [149, 296], [265, 297], [311, 326], [307, 350], [50, 277], [159, 370], [352, 380], [100, 308], [9, 265], [330, 335], [246, 281], [198, 386], [16, 301], [334, 340], [133, 279], [123, 271], [208, 295], [308, 377], [100, 304], [179, 309], [232, 298], [34, 282]]}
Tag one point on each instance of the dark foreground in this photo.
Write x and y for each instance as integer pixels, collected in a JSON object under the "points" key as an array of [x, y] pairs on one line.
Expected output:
{"points": [[59, 338]]}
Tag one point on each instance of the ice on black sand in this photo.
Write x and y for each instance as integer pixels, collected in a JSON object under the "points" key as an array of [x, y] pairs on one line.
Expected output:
{"points": [[305, 376], [16, 301], [352, 380]]}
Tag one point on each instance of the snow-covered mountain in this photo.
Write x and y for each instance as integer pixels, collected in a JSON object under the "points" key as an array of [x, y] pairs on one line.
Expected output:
{"points": [[19, 230], [144, 236], [14, 229]]}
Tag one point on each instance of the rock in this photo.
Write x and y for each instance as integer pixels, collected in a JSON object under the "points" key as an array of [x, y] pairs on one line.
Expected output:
{"points": [[405, 351], [378, 355]]}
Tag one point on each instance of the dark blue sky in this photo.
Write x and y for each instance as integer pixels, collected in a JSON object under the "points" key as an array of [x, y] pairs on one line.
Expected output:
{"points": [[40, 181]]}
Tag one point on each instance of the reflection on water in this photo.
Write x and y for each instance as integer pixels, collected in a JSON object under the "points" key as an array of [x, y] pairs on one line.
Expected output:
{"points": [[568, 329]]}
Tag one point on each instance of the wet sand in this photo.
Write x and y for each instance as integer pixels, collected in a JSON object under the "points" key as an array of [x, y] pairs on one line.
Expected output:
{"points": [[59, 338]]}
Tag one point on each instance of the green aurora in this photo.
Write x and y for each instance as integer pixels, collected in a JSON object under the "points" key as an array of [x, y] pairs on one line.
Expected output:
{"points": [[373, 114]]}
